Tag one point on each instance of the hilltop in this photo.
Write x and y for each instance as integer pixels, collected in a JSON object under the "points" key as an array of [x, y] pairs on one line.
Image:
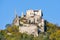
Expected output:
{"points": [[33, 19]]}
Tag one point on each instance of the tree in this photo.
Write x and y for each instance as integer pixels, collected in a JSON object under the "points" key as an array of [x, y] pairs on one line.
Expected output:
{"points": [[2, 36], [55, 35], [8, 25]]}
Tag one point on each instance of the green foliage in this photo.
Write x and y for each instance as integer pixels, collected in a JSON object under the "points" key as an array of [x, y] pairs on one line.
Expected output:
{"points": [[55, 35], [2, 36], [12, 29], [8, 25], [53, 31]]}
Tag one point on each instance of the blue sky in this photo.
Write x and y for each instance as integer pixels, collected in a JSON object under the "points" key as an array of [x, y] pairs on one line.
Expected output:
{"points": [[50, 8]]}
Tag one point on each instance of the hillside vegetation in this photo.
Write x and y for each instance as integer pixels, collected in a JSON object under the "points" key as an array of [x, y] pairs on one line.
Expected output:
{"points": [[12, 33]]}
